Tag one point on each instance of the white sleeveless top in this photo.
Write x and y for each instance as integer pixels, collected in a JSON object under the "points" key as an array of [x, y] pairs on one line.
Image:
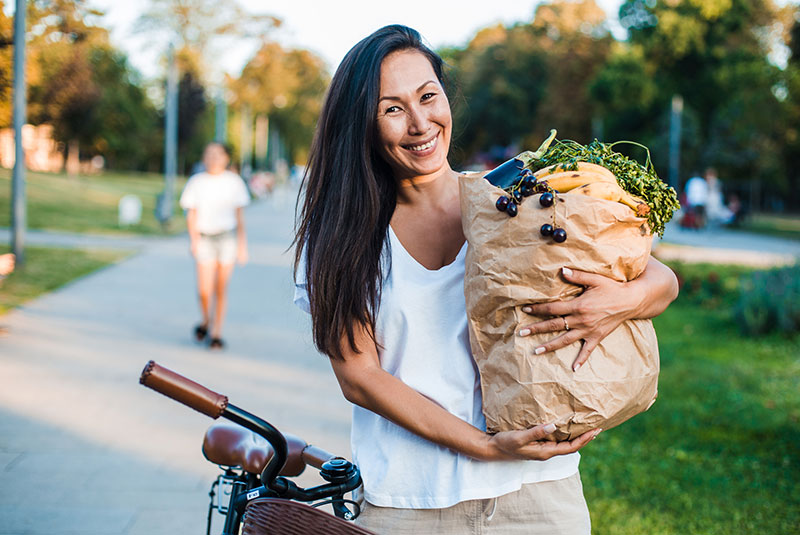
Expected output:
{"points": [[422, 328]]}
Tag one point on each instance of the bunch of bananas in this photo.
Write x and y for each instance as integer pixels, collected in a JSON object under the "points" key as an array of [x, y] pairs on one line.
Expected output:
{"points": [[592, 180]]}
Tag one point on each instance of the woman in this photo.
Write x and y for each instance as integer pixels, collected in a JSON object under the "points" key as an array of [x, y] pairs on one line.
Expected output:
{"points": [[380, 267], [214, 202]]}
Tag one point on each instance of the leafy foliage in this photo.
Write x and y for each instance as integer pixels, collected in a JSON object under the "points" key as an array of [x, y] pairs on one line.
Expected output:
{"points": [[770, 301], [637, 179], [287, 85]]}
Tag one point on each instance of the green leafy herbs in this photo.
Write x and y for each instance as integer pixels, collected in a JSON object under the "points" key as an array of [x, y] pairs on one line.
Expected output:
{"points": [[637, 179]]}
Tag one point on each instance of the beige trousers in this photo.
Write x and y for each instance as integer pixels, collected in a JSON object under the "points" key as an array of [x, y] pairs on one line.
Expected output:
{"points": [[546, 508]]}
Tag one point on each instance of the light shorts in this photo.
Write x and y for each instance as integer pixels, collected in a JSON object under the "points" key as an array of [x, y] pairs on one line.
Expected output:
{"points": [[546, 508], [219, 248]]}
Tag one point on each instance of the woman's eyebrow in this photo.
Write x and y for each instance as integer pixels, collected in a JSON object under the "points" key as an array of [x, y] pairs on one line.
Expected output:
{"points": [[417, 91]]}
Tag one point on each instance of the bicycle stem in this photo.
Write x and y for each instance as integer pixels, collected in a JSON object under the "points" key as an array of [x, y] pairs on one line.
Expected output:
{"points": [[266, 430]]}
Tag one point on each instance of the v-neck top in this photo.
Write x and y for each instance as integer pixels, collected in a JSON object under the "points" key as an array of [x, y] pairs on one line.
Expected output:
{"points": [[397, 244], [421, 328]]}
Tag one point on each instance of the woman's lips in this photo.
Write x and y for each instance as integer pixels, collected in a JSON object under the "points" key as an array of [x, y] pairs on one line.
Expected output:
{"points": [[424, 148]]}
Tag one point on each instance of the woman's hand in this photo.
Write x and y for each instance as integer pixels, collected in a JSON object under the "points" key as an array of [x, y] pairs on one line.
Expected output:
{"points": [[601, 308], [528, 444], [241, 254]]}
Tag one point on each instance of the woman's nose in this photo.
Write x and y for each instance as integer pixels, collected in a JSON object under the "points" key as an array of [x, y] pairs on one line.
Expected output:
{"points": [[418, 120]]}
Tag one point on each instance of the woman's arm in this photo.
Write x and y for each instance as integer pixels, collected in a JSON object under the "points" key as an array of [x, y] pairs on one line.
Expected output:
{"points": [[365, 383], [602, 307], [191, 227], [241, 237]]}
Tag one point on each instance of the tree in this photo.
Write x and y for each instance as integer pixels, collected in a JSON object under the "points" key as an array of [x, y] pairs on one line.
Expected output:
{"points": [[790, 91], [503, 81], [6, 66], [62, 90], [287, 86], [126, 128], [192, 105], [195, 25], [521, 81], [715, 53]]}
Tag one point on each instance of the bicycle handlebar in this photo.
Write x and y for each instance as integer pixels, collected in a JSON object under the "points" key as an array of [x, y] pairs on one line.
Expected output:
{"points": [[184, 390]]}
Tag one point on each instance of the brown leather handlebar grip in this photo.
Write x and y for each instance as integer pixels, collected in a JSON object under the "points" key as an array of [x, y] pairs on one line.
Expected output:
{"points": [[316, 457], [184, 390]]}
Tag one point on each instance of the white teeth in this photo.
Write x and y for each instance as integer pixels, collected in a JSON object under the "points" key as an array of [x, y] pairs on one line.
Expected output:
{"points": [[424, 146]]}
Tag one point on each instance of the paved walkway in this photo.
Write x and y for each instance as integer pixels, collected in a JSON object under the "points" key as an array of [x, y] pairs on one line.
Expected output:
{"points": [[51, 238], [84, 449], [725, 246]]}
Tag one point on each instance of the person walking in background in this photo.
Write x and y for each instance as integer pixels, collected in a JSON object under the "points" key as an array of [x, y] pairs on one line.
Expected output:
{"points": [[7, 262], [214, 200]]}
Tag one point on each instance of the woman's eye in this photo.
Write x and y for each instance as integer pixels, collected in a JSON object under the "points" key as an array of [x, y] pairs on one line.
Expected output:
{"points": [[392, 109], [428, 96]]}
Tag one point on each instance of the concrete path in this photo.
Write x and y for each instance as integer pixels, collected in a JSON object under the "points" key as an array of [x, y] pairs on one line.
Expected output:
{"points": [[724, 246], [49, 238], [84, 449]]}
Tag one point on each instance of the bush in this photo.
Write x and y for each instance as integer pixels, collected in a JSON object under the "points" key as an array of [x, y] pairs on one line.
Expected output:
{"points": [[770, 301]]}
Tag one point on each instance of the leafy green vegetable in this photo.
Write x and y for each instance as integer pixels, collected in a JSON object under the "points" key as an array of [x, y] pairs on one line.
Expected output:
{"points": [[637, 179]]}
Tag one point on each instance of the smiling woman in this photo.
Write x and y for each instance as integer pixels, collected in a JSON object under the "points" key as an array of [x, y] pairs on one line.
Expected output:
{"points": [[380, 267]]}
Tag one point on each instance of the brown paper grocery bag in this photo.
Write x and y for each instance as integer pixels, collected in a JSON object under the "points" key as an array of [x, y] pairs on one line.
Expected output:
{"points": [[509, 264]]}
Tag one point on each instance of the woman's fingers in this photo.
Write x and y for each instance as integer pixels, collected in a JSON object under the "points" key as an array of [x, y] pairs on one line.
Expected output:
{"points": [[583, 355], [545, 450], [556, 308], [569, 337], [546, 326], [583, 278]]}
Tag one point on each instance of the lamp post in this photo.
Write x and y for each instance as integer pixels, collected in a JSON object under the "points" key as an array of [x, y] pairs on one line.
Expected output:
{"points": [[18, 180], [170, 140], [675, 141]]}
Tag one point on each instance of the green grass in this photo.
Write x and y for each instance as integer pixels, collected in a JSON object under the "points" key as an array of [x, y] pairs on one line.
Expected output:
{"points": [[49, 268], [719, 452], [88, 204], [783, 226]]}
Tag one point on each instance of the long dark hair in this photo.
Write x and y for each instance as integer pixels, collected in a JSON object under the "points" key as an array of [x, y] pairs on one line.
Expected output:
{"points": [[350, 195]]}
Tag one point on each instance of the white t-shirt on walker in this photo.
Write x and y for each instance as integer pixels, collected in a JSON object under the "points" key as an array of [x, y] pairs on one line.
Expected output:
{"points": [[216, 198], [422, 328]]}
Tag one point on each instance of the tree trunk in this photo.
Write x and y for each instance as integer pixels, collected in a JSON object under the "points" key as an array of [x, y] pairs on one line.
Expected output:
{"points": [[73, 158]]}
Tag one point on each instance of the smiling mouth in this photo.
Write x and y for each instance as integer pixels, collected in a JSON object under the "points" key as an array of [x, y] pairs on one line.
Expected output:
{"points": [[422, 146]]}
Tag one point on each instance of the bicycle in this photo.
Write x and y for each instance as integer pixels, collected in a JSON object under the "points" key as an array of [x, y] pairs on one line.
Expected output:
{"points": [[255, 492]]}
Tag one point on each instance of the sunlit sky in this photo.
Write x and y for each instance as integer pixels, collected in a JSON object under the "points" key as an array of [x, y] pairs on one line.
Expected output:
{"points": [[329, 27]]}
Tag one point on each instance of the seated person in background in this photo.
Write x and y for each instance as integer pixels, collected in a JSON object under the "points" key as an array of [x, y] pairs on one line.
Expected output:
{"points": [[697, 198]]}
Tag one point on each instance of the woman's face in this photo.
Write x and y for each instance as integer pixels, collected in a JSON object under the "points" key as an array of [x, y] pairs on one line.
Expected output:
{"points": [[414, 120], [215, 159]]}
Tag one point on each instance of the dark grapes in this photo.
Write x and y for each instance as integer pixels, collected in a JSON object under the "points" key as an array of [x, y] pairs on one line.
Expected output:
{"points": [[546, 199], [502, 203], [546, 230], [529, 182], [526, 191], [511, 209], [517, 196], [559, 235]]}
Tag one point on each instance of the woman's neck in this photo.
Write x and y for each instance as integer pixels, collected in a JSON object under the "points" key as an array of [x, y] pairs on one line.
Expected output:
{"points": [[426, 187]]}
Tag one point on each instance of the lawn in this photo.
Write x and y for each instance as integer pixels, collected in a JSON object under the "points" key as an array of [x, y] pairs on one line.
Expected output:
{"points": [[40, 275], [89, 203], [719, 451], [782, 226]]}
